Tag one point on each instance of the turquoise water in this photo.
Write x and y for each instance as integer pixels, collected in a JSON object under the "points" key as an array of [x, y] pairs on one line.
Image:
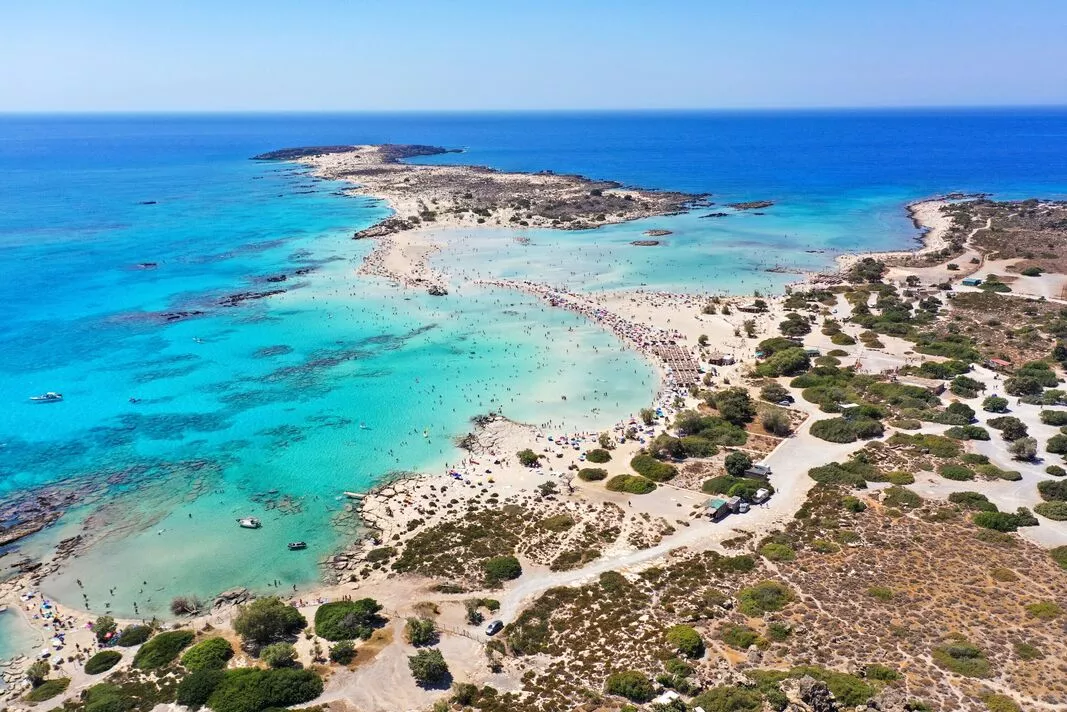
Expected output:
{"points": [[256, 409], [16, 637]]}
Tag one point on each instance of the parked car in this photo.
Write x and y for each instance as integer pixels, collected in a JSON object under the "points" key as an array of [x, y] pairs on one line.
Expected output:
{"points": [[494, 627]]}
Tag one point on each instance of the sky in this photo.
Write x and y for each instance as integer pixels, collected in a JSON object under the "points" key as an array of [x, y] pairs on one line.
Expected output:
{"points": [[453, 55]]}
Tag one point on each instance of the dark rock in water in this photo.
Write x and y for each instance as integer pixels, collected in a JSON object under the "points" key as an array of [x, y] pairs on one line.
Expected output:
{"points": [[657, 233], [275, 278], [645, 243], [232, 300], [715, 215], [436, 290], [179, 315], [751, 205], [269, 351], [147, 202]]}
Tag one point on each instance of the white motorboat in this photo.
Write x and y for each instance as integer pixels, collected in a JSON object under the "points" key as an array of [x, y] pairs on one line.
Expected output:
{"points": [[249, 523], [49, 397]]}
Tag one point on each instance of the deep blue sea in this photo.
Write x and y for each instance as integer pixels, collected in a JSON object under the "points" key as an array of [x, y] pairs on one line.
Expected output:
{"points": [[108, 223]]}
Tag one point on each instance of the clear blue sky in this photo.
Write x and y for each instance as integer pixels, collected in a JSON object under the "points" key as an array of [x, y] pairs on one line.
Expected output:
{"points": [[318, 55]]}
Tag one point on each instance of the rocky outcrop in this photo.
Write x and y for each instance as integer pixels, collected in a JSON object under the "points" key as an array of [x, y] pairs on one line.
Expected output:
{"points": [[657, 233], [751, 205], [233, 597], [807, 694], [645, 243], [436, 290]]}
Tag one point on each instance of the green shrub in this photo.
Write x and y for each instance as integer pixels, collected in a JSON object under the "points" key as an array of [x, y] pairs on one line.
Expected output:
{"points": [[102, 661], [278, 655], [208, 654], [134, 635], [255, 690], [195, 689], [631, 684], [788, 362], [527, 457], [48, 689], [1056, 511], [653, 469], [995, 702], [343, 652], [962, 658], [998, 521], [420, 632], [729, 698], [598, 456], [686, 640], [967, 432], [268, 619], [502, 568], [778, 552], [764, 597], [1054, 417], [1010, 427], [592, 474], [632, 484], [1055, 471], [901, 498], [995, 404], [348, 620], [1059, 555], [835, 430], [882, 593], [738, 636], [1053, 490], [1044, 610], [162, 649], [1027, 652], [973, 501], [734, 405], [958, 473], [874, 671], [382, 553]]}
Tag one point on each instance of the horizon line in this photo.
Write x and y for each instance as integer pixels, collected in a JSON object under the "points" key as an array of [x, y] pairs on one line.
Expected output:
{"points": [[606, 110]]}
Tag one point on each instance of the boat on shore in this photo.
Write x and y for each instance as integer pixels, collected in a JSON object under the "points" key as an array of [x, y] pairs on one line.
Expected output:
{"points": [[49, 397], [249, 523], [297, 545]]}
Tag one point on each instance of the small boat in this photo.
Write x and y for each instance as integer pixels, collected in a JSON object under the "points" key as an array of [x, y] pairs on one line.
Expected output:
{"points": [[297, 545], [49, 397], [249, 523]]}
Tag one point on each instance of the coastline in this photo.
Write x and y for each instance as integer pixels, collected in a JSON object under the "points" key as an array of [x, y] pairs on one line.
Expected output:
{"points": [[666, 328], [927, 217], [402, 255]]}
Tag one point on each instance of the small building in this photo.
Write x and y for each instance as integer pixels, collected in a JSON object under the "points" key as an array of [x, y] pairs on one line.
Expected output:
{"points": [[998, 364], [718, 358], [971, 282], [760, 472], [931, 384], [666, 698], [734, 504], [717, 508]]}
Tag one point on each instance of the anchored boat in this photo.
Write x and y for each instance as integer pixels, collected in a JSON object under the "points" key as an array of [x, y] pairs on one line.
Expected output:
{"points": [[49, 397], [297, 545], [249, 523]]}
